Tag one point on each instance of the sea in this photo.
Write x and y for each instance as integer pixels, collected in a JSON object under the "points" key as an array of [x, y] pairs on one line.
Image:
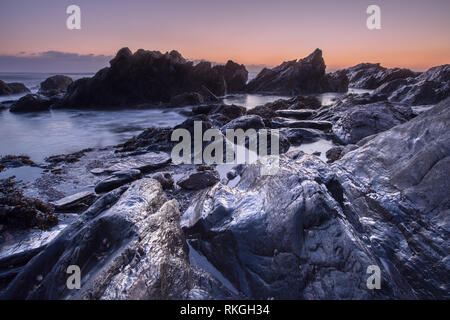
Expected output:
{"points": [[43, 134]]}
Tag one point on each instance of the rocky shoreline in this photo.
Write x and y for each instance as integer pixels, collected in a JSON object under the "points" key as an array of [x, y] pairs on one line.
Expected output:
{"points": [[141, 227]]}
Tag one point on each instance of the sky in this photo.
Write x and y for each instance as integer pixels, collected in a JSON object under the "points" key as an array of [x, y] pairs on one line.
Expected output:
{"points": [[34, 37]]}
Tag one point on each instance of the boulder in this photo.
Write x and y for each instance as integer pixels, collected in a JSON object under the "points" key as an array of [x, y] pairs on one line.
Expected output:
{"points": [[304, 76], [7, 89], [245, 123], [55, 85], [199, 180], [364, 120], [31, 103], [117, 179]]}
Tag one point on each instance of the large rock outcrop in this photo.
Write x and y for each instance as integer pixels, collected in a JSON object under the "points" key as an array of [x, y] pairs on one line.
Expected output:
{"points": [[312, 230], [294, 77], [151, 77], [128, 245]]}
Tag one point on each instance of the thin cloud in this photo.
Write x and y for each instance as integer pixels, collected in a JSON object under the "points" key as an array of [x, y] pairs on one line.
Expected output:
{"points": [[53, 61]]}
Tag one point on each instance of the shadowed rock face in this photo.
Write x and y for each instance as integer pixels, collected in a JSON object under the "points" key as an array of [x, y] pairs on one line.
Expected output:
{"points": [[129, 245], [311, 230], [298, 77], [152, 77]]}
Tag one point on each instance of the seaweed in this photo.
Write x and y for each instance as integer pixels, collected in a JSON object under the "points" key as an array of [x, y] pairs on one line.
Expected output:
{"points": [[18, 211]]}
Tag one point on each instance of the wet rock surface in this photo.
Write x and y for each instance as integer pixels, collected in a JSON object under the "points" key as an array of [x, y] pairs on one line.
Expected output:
{"points": [[75, 203], [294, 234], [129, 246], [307, 230], [118, 179], [361, 121]]}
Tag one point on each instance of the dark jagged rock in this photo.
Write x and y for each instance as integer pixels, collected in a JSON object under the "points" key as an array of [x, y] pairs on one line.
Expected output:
{"points": [[117, 180], [32, 103], [430, 87], [55, 85], [373, 75], [149, 78], [128, 244], [7, 89], [304, 76], [235, 76], [199, 180]]}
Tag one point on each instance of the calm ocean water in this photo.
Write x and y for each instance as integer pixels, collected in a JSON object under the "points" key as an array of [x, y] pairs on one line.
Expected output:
{"points": [[42, 134]]}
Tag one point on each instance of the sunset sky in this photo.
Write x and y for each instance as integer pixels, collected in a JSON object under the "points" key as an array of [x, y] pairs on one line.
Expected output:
{"points": [[414, 34]]}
